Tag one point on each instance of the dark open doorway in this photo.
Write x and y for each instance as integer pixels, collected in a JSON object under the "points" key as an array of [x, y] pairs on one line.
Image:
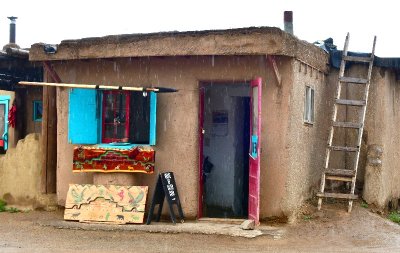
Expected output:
{"points": [[225, 149]]}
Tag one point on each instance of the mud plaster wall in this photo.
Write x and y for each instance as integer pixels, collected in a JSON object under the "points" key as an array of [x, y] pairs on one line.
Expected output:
{"points": [[177, 118], [19, 172], [379, 183], [11, 131], [32, 93], [382, 128], [305, 147]]}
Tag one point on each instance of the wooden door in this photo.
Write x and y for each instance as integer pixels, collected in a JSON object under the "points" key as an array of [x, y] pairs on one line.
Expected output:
{"points": [[254, 153]]}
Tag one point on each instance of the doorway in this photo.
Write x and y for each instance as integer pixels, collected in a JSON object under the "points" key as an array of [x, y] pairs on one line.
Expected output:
{"points": [[225, 150]]}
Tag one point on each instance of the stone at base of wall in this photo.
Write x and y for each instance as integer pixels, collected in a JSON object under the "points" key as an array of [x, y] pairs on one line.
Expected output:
{"points": [[247, 225], [374, 180]]}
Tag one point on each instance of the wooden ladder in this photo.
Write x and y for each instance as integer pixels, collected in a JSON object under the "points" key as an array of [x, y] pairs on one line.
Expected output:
{"points": [[346, 175]]}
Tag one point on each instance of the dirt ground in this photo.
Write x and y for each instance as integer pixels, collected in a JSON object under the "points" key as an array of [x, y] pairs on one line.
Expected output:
{"points": [[330, 230]]}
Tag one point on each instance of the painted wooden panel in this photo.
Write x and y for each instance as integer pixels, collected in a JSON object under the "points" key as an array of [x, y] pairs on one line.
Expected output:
{"points": [[116, 204], [153, 117], [83, 116]]}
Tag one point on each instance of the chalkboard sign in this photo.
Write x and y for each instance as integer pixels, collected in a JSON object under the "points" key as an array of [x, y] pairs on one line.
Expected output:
{"points": [[165, 188]]}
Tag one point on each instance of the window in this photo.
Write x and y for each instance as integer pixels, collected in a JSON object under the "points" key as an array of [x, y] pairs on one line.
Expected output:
{"points": [[37, 110], [116, 117], [309, 105]]}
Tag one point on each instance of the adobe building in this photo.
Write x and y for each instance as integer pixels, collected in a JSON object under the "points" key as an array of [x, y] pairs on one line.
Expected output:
{"points": [[245, 134], [20, 124]]}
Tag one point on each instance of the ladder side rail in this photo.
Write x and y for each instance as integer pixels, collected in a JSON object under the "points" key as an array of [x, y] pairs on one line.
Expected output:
{"points": [[361, 130], [366, 95], [334, 116]]}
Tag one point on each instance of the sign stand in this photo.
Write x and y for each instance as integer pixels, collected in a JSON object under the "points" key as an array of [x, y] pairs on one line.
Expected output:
{"points": [[165, 188]]}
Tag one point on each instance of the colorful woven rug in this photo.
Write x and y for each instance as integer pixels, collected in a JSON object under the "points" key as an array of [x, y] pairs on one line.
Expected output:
{"points": [[95, 159]]}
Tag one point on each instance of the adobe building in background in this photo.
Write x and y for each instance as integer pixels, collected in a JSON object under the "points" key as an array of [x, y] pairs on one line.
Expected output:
{"points": [[245, 134], [20, 125]]}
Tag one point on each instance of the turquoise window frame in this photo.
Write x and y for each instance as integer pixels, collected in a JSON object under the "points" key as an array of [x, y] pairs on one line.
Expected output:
{"points": [[153, 126], [35, 103], [5, 99]]}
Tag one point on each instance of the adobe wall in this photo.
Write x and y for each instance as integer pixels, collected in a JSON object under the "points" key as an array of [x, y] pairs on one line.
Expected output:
{"points": [[378, 171], [32, 93], [19, 174], [382, 168], [177, 146], [306, 143]]}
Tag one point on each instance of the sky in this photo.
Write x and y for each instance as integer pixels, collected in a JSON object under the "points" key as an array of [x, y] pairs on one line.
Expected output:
{"points": [[53, 21]]}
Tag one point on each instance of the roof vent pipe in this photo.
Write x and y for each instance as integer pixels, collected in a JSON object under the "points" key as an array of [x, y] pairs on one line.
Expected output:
{"points": [[288, 21], [12, 29]]}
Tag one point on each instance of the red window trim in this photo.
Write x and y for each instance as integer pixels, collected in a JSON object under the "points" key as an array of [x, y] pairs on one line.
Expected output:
{"points": [[127, 121]]}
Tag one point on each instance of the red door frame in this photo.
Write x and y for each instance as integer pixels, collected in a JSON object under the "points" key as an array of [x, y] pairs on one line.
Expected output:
{"points": [[256, 169]]}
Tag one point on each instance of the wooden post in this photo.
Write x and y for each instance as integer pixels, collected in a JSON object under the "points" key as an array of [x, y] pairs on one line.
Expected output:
{"points": [[51, 175], [45, 115], [49, 134]]}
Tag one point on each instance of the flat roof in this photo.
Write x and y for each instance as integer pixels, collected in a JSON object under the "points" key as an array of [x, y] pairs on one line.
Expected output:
{"points": [[241, 41]]}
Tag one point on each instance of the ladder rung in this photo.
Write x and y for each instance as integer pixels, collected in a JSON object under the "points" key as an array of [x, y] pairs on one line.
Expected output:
{"points": [[340, 172], [338, 178], [340, 148], [337, 195], [353, 80], [357, 59], [347, 124], [350, 102]]}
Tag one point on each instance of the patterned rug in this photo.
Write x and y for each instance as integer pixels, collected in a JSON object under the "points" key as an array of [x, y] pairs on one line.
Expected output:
{"points": [[95, 159]]}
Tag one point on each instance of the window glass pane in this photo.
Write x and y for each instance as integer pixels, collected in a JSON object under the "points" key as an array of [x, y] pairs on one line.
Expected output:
{"points": [[115, 120], [120, 132], [2, 119], [108, 131], [37, 110], [305, 104], [312, 105], [309, 105], [109, 108], [139, 118]]}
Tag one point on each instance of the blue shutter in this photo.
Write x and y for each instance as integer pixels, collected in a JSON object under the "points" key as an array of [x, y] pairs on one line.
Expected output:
{"points": [[153, 117], [83, 116]]}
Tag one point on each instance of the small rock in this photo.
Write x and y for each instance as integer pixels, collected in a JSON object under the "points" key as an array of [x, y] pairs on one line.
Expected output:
{"points": [[247, 225]]}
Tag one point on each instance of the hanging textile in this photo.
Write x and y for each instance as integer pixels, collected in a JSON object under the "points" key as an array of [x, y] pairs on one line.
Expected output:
{"points": [[12, 115], [98, 159]]}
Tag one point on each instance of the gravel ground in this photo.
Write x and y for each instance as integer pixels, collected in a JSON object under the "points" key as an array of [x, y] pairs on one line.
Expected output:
{"points": [[331, 230]]}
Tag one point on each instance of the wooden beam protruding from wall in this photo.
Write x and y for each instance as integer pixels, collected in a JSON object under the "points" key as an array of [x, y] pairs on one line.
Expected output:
{"points": [[49, 69], [271, 60]]}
